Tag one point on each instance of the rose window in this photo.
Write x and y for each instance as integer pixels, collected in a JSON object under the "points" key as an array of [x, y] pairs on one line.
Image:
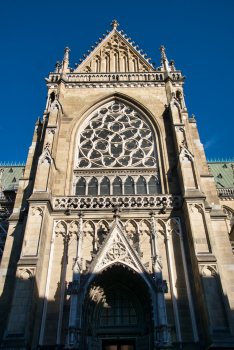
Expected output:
{"points": [[116, 136]]}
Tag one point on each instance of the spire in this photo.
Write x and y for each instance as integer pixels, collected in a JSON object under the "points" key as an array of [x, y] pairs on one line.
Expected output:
{"points": [[164, 60], [65, 62], [114, 24]]}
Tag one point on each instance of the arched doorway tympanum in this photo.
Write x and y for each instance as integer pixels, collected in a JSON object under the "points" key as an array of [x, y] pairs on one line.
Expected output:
{"points": [[117, 311]]}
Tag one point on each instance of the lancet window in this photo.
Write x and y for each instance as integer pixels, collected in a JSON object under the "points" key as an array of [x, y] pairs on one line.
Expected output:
{"points": [[105, 186], [141, 186], [117, 187], [129, 186], [93, 187], [80, 187]]}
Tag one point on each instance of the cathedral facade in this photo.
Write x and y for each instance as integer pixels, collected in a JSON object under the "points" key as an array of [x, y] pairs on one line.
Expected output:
{"points": [[117, 240]]}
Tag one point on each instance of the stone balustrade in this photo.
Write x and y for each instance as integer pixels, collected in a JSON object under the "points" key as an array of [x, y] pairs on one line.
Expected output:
{"points": [[104, 77], [108, 202], [226, 193]]}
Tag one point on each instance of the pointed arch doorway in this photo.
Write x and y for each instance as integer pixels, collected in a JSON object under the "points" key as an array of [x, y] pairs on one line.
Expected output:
{"points": [[117, 313]]}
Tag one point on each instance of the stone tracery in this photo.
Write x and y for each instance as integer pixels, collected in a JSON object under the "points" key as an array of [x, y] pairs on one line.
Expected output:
{"points": [[116, 136]]}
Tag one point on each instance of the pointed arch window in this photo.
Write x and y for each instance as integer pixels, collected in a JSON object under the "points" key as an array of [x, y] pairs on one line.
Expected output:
{"points": [[129, 186], [117, 186], [141, 186], [116, 136], [118, 311], [93, 187], [124, 64], [153, 185], [80, 187], [105, 186]]}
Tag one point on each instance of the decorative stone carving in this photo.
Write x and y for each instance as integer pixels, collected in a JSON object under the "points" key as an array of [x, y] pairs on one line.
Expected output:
{"points": [[61, 228], [26, 273], [50, 131], [144, 227], [73, 287], [106, 202], [36, 211], [180, 97], [174, 102], [132, 232], [97, 294], [102, 231], [208, 270], [114, 24], [185, 154], [116, 140], [161, 286], [193, 208], [56, 105], [173, 225], [180, 129], [45, 157], [117, 252], [88, 228], [73, 228], [230, 215]]}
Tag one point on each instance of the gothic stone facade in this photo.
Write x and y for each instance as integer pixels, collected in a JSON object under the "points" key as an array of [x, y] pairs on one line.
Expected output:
{"points": [[117, 239]]}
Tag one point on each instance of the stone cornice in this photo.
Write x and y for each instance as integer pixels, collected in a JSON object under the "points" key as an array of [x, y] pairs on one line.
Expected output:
{"points": [[113, 171]]}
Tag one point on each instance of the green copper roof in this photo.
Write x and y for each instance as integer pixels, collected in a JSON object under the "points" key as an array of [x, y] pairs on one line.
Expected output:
{"points": [[10, 176], [223, 173]]}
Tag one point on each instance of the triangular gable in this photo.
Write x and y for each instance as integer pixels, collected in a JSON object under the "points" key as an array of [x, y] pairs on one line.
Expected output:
{"points": [[116, 249], [101, 59]]}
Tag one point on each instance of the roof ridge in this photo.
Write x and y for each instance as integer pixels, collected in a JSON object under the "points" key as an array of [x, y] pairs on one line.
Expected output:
{"points": [[218, 160], [7, 163]]}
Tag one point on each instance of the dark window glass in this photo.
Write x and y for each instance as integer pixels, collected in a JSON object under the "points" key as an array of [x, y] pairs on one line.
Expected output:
{"points": [[117, 186], [129, 186], [141, 186], [153, 186], [105, 187], [118, 311], [80, 187], [93, 187]]}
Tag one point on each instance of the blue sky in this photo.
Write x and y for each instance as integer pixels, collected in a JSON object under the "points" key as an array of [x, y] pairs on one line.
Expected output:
{"points": [[197, 34]]}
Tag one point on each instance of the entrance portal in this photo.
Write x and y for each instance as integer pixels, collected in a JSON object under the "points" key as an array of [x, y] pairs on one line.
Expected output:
{"points": [[117, 312], [118, 344]]}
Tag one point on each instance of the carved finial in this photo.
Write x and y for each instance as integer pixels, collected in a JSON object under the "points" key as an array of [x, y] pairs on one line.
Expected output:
{"points": [[80, 214], [172, 64], [192, 116], [164, 60], [114, 24], [57, 65], [66, 50], [38, 122], [116, 211], [162, 49], [66, 59]]}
